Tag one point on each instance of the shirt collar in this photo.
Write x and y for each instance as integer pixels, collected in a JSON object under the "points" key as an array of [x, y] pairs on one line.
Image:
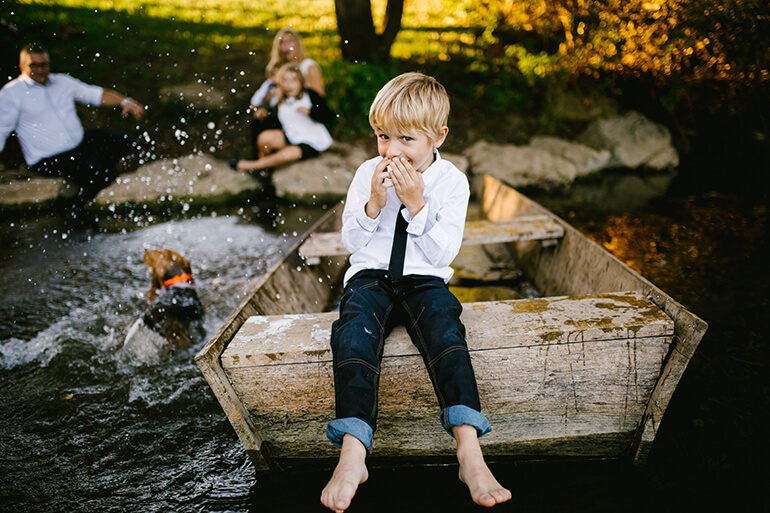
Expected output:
{"points": [[429, 175], [32, 83]]}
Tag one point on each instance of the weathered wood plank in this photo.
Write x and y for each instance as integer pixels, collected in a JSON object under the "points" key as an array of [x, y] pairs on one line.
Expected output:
{"points": [[539, 227], [548, 369], [564, 378], [512, 435], [302, 338]]}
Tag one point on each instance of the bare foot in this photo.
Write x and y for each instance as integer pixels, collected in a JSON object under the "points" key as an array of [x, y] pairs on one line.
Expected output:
{"points": [[484, 488], [350, 472]]}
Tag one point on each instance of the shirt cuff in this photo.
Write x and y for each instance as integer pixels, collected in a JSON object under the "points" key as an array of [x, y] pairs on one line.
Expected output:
{"points": [[366, 222], [460, 414], [417, 223], [338, 428]]}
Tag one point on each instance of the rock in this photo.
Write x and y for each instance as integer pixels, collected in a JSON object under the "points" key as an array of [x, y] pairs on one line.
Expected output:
{"points": [[21, 191], [586, 160], [520, 166], [666, 159], [195, 178], [633, 140], [195, 96], [323, 179]]}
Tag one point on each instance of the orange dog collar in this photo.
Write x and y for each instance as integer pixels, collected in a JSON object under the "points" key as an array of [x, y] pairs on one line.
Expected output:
{"points": [[177, 279]]}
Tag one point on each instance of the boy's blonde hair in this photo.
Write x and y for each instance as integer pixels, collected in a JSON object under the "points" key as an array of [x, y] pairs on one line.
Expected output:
{"points": [[412, 101]]}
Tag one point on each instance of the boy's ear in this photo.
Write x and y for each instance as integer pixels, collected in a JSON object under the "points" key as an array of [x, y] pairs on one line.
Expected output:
{"points": [[442, 137]]}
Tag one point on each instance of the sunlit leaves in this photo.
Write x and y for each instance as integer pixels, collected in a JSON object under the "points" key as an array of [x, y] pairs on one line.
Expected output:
{"points": [[690, 40], [695, 39]]}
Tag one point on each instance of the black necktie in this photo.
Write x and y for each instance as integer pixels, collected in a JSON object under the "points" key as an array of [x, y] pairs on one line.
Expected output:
{"points": [[397, 254]]}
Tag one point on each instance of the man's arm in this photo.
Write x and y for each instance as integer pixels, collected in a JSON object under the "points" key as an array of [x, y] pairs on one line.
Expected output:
{"points": [[129, 105]]}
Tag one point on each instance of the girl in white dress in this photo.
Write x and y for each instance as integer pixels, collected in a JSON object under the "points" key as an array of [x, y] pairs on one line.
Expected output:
{"points": [[303, 114], [287, 47]]}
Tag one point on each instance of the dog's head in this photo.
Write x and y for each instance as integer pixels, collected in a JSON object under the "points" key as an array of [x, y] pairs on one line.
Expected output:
{"points": [[166, 265]]}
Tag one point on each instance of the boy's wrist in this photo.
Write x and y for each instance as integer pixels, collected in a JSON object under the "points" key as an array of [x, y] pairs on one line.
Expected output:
{"points": [[371, 211]]}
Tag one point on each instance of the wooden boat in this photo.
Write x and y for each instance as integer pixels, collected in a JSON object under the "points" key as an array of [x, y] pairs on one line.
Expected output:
{"points": [[585, 371]]}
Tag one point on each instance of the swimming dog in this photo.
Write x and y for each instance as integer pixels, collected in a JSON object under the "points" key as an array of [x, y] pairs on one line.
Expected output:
{"points": [[175, 316]]}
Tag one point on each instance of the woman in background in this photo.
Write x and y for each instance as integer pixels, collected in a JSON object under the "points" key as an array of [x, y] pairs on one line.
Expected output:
{"points": [[288, 47], [303, 115]]}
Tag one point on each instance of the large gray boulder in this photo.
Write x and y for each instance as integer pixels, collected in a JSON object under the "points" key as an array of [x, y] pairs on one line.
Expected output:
{"points": [[633, 140], [198, 179], [324, 179], [520, 166], [20, 190], [586, 160]]}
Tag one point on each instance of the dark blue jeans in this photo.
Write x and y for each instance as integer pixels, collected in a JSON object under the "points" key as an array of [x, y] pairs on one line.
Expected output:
{"points": [[372, 305], [90, 163]]}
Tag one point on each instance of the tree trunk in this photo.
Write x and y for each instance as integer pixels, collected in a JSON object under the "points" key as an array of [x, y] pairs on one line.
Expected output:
{"points": [[359, 40]]}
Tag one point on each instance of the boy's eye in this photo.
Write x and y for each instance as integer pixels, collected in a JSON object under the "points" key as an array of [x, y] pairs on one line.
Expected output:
{"points": [[406, 138], [382, 137]]}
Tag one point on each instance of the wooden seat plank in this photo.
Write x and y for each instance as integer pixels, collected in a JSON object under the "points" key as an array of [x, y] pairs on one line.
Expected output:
{"points": [[538, 227]]}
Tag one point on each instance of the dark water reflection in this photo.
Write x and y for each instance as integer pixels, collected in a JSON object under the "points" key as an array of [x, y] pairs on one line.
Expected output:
{"points": [[84, 431], [81, 430]]}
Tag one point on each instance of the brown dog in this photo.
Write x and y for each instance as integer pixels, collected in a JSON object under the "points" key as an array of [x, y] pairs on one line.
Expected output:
{"points": [[167, 267], [175, 312]]}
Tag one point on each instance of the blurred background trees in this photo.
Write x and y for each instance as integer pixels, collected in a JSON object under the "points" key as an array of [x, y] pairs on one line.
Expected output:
{"points": [[360, 40]]}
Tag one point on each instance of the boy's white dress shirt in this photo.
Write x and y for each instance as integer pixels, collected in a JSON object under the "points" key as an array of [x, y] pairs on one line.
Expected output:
{"points": [[434, 234]]}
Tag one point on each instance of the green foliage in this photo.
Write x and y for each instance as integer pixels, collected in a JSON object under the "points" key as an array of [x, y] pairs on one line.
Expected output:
{"points": [[351, 89]]}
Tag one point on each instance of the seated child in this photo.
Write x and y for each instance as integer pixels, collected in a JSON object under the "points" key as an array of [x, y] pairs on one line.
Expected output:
{"points": [[303, 114], [403, 223]]}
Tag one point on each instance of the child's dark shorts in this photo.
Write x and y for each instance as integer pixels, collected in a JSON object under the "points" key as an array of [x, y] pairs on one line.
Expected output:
{"points": [[308, 152]]}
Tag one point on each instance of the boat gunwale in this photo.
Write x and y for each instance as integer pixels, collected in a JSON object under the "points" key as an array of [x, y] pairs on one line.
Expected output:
{"points": [[208, 358]]}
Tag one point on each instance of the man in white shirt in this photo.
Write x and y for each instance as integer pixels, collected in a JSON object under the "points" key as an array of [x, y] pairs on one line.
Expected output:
{"points": [[40, 107]]}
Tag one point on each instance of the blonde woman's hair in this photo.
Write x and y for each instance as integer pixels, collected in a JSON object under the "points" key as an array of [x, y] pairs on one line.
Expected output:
{"points": [[412, 101], [276, 59]]}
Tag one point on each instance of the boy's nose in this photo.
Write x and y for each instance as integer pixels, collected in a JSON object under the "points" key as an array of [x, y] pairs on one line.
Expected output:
{"points": [[393, 151]]}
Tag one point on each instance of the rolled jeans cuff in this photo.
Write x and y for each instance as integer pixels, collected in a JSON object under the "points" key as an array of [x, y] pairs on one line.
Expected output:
{"points": [[338, 428], [460, 414]]}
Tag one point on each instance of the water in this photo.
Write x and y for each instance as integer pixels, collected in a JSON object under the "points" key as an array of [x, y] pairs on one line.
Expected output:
{"points": [[82, 430]]}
